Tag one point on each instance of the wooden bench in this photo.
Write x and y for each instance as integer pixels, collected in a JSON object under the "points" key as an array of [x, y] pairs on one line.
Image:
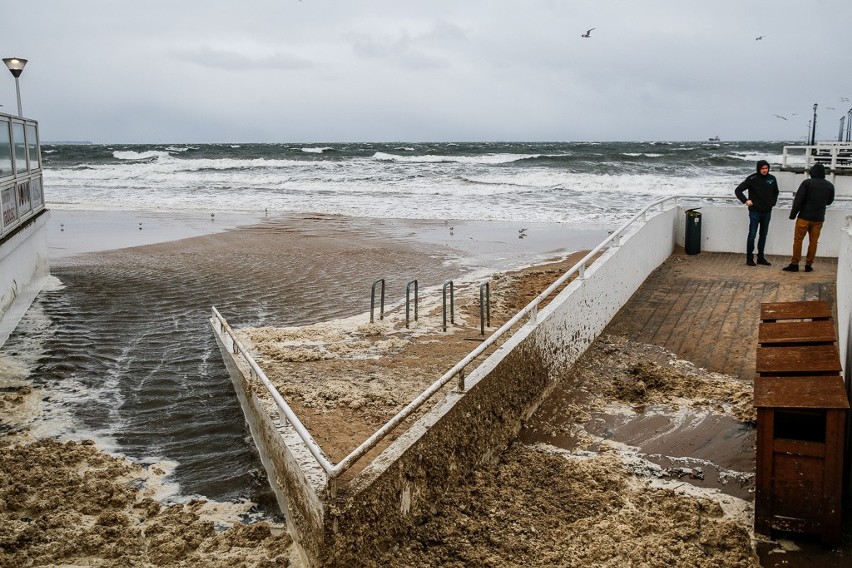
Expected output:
{"points": [[811, 310], [785, 333], [798, 360]]}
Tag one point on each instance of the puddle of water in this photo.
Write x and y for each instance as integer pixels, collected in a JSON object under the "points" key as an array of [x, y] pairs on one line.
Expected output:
{"points": [[696, 446]]}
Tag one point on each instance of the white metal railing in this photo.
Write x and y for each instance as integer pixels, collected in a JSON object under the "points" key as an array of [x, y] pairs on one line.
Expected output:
{"points": [[531, 310], [836, 156], [306, 437]]}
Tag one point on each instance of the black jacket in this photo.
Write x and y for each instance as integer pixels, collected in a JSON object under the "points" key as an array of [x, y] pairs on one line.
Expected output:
{"points": [[811, 199], [762, 190]]}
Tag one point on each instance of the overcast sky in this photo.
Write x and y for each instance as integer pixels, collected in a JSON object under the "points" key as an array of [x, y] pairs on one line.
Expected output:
{"points": [[439, 70]]}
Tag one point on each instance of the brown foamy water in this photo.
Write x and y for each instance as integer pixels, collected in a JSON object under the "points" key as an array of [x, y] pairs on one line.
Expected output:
{"points": [[124, 350]]}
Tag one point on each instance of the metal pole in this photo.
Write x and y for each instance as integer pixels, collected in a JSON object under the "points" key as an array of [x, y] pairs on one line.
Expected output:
{"points": [[842, 124], [484, 306], [18, 92], [813, 126], [373, 300], [452, 307], [408, 299], [849, 125]]}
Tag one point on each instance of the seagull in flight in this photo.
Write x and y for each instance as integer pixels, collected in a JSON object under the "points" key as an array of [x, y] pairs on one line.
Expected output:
{"points": [[779, 116], [588, 33], [758, 38]]}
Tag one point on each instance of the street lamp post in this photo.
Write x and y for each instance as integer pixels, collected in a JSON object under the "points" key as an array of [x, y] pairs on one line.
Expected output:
{"points": [[16, 66], [849, 125], [813, 127]]}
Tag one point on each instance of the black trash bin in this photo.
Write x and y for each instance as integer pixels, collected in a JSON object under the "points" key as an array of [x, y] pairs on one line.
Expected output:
{"points": [[692, 237]]}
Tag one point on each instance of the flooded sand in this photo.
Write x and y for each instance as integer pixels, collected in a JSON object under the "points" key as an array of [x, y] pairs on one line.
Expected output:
{"points": [[537, 505], [668, 416]]}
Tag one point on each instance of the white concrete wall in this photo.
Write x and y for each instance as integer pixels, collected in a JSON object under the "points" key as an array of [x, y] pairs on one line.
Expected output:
{"points": [[725, 228], [583, 309], [23, 270], [293, 474], [844, 295]]}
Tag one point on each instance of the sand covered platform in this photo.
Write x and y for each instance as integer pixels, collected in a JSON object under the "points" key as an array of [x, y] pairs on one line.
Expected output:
{"points": [[560, 495]]}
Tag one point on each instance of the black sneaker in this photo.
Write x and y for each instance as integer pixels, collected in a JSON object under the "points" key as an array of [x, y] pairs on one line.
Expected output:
{"points": [[792, 268], [809, 268], [750, 262], [764, 262]]}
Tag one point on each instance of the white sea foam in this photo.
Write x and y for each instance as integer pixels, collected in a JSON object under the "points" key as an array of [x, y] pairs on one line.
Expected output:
{"points": [[755, 157], [478, 159], [575, 184], [131, 155]]}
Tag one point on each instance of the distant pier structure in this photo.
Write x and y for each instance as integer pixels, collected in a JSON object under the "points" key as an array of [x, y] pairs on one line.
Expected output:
{"points": [[23, 228], [796, 161]]}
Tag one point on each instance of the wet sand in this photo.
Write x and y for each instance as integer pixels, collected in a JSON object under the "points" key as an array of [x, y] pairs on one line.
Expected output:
{"points": [[71, 232], [561, 496], [284, 271], [564, 494]]}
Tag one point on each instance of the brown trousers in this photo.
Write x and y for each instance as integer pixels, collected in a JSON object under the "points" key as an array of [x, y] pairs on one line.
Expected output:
{"points": [[812, 229]]}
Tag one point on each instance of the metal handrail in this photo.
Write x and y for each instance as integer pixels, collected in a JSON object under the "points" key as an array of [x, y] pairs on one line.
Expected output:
{"points": [[531, 309], [306, 437], [408, 301], [484, 306], [452, 303], [373, 300], [373, 440]]}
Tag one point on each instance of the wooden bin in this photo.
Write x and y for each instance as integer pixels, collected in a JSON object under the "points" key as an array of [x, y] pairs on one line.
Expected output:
{"points": [[800, 442]]}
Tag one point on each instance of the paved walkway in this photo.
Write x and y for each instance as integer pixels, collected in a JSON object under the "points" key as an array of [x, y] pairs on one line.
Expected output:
{"points": [[705, 307]]}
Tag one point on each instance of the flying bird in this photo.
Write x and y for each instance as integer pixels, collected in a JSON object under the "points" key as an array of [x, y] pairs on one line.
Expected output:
{"points": [[844, 99], [779, 116], [758, 38], [830, 108], [588, 33]]}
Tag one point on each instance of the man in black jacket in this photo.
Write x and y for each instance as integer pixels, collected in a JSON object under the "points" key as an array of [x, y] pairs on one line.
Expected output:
{"points": [[762, 196], [811, 199]]}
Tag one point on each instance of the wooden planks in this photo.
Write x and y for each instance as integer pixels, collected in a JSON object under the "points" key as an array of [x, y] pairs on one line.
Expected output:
{"points": [[809, 332], [820, 359], [813, 310], [800, 392]]}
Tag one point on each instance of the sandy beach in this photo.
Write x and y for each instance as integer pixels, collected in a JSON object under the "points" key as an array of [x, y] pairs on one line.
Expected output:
{"points": [[298, 289], [266, 261]]}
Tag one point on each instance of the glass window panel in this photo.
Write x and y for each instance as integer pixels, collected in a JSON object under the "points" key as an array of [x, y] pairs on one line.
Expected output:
{"points": [[24, 201], [10, 212], [35, 192], [19, 145], [32, 146], [5, 148]]}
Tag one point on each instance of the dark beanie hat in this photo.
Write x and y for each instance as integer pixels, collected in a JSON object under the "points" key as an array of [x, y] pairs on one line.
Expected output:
{"points": [[762, 163], [817, 171]]}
